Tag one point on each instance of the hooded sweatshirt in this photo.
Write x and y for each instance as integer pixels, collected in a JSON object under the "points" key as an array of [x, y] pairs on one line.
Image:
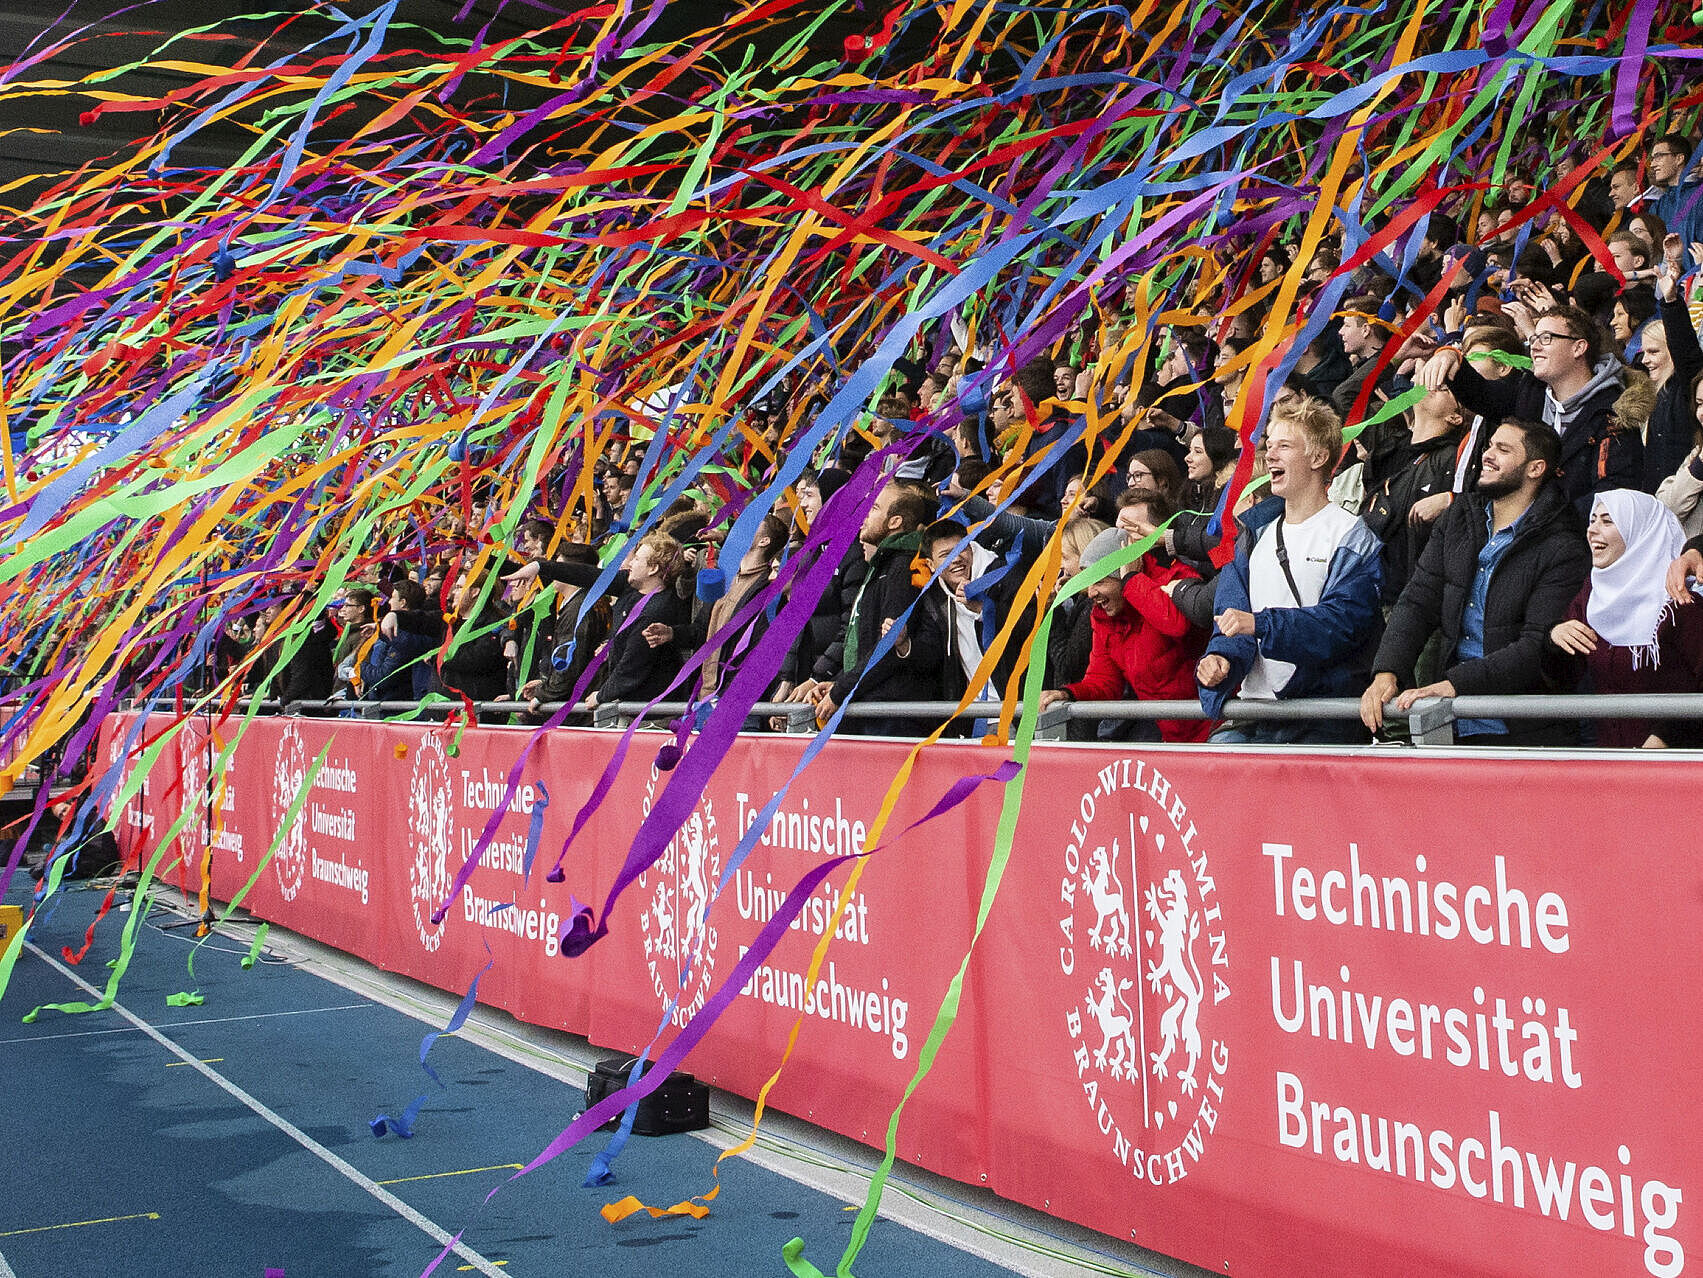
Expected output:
{"points": [[1562, 413], [966, 637]]}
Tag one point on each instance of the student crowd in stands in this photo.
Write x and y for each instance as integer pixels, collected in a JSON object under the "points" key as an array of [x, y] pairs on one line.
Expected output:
{"points": [[1510, 515]]}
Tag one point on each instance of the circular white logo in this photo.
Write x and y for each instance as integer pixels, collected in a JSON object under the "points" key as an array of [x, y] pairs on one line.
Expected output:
{"points": [[289, 770], [1145, 940], [430, 808], [680, 942]]}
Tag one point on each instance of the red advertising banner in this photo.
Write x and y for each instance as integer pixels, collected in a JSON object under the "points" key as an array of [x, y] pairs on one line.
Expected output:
{"points": [[1271, 1013]]}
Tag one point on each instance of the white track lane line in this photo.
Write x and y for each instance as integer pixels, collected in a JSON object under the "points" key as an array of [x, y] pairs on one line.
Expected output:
{"points": [[432, 1230], [205, 1020]]}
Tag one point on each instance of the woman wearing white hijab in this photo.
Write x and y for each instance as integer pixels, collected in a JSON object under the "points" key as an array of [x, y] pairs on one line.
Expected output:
{"points": [[1622, 628]]}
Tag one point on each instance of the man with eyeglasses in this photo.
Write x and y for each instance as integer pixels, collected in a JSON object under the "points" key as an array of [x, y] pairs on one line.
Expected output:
{"points": [[1678, 203], [1572, 385]]}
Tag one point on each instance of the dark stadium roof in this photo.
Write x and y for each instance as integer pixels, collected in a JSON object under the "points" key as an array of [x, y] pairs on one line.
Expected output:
{"points": [[116, 33]]}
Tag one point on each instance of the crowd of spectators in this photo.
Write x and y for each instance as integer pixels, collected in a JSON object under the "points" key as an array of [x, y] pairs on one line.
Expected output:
{"points": [[1511, 514]]}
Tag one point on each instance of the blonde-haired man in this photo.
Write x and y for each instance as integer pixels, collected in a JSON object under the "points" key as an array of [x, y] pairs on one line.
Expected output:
{"points": [[1296, 611]]}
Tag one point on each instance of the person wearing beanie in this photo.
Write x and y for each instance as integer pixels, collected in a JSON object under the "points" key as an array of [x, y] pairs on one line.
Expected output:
{"points": [[830, 479], [1140, 639]]}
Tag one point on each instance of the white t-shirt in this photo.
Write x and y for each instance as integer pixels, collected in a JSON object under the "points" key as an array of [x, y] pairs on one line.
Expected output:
{"points": [[1311, 544], [969, 627]]}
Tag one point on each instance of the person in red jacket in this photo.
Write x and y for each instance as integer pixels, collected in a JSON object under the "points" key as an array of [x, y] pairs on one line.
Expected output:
{"points": [[1141, 639]]}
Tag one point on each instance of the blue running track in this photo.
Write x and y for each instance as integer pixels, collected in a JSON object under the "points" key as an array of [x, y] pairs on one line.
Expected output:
{"points": [[229, 1138]]}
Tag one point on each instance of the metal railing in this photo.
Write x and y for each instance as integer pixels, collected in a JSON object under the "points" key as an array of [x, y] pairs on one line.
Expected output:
{"points": [[1430, 722]]}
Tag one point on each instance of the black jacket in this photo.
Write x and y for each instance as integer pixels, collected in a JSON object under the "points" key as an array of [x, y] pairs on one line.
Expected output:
{"points": [[887, 592], [1673, 426], [1329, 374], [1347, 389], [1043, 491], [1191, 538], [311, 672], [952, 681], [478, 667], [819, 650], [1071, 641], [634, 671], [589, 636], [1530, 590], [1595, 456], [1419, 470]]}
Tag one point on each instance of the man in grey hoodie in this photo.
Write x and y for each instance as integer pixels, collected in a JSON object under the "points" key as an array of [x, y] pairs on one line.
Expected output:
{"points": [[1573, 383]]}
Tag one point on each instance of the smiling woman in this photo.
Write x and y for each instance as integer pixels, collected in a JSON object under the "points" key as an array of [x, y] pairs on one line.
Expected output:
{"points": [[1622, 629]]}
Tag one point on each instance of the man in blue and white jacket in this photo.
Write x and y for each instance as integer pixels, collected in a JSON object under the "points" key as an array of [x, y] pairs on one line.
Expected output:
{"points": [[1296, 613]]}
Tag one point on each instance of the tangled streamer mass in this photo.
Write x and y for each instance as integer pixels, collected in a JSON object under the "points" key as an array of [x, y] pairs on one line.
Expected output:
{"points": [[453, 276]]}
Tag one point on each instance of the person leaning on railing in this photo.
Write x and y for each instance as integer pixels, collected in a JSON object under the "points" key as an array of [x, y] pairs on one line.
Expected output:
{"points": [[474, 665], [1623, 628], [398, 667], [1497, 575], [309, 673], [570, 639], [909, 670], [711, 615], [1140, 638], [1297, 608]]}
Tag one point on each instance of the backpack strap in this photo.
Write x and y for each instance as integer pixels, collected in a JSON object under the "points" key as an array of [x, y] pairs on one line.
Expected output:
{"points": [[1283, 563]]}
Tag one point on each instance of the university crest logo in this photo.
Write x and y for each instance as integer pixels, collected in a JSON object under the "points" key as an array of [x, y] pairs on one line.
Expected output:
{"points": [[431, 801], [193, 793], [680, 942], [1144, 936], [289, 770]]}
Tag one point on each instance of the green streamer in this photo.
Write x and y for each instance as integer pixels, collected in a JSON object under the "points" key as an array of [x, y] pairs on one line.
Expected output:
{"points": [[1011, 805]]}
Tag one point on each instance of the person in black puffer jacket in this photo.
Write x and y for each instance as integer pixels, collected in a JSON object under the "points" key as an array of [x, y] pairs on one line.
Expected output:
{"points": [[808, 657], [1494, 595], [821, 648], [309, 673], [1211, 466]]}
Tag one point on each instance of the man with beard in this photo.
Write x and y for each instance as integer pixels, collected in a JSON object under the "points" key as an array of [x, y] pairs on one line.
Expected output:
{"points": [[910, 668], [1497, 575], [1573, 383]]}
